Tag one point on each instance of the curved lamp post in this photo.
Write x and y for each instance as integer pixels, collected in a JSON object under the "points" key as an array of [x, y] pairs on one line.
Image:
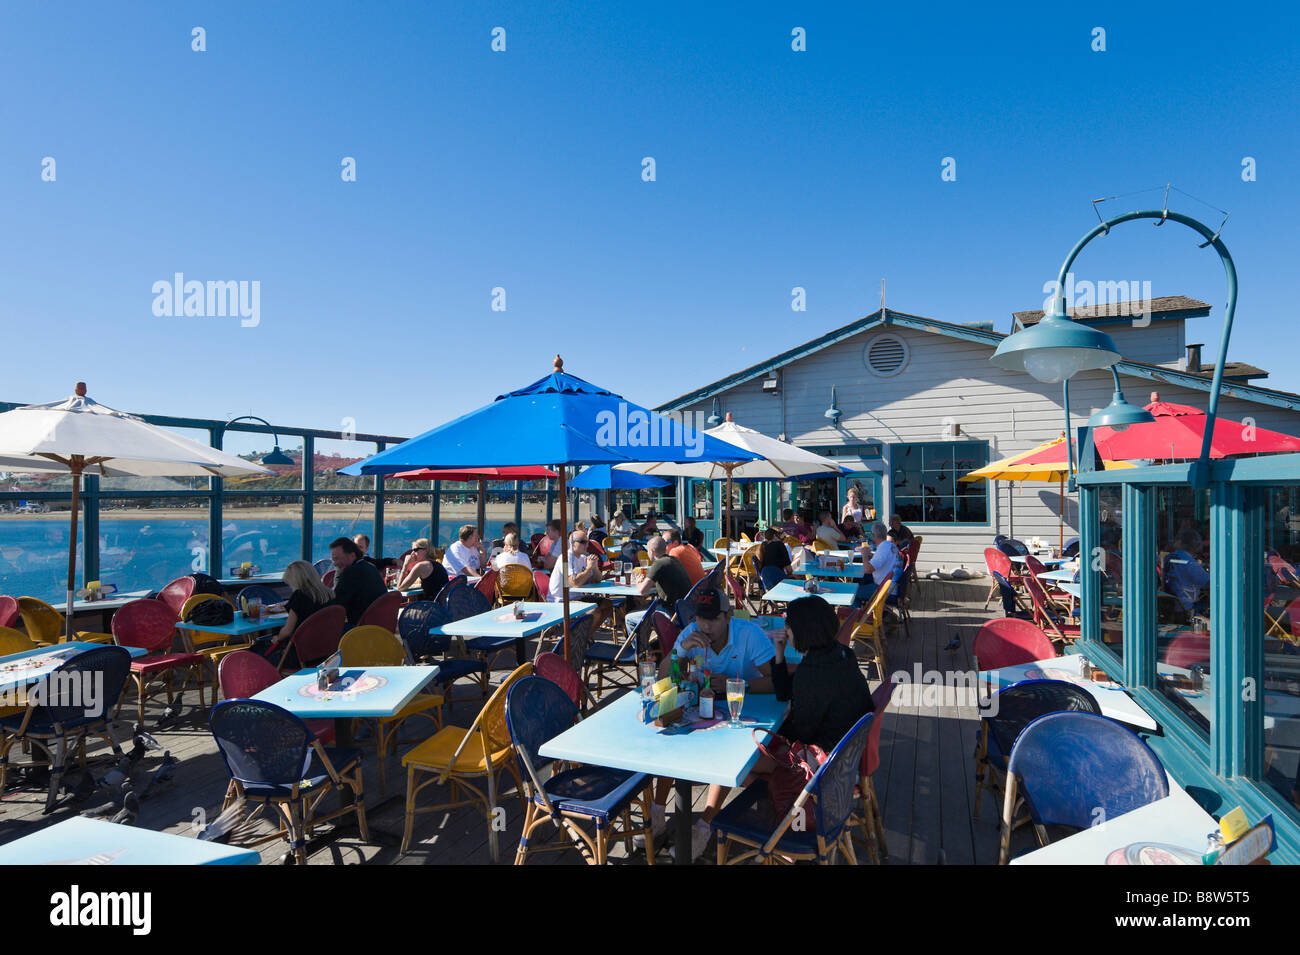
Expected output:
{"points": [[275, 455], [1057, 348]]}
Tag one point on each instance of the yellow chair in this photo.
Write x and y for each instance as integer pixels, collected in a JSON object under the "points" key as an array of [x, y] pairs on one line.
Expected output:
{"points": [[458, 755], [871, 628], [792, 541], [749, 574], [745, 538], [373, 646], [819, 545], [44, 624], [722, 543], [14, 641], [609, 542], [515, 582], [211, 646]]}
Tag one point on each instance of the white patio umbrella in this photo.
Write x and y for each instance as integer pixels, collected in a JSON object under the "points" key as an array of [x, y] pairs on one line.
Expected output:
{"points": [[779, 461], [80, 436]]}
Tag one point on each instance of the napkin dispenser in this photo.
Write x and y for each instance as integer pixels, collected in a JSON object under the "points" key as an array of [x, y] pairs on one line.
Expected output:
{"points": [[327, 673]]}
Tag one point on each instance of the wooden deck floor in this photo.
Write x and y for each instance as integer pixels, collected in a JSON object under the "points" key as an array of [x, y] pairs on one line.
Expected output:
{"points": [[925, 779]]}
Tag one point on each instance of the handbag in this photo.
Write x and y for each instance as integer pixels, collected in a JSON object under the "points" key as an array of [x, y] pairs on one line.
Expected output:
{"points": [[796, 764]]}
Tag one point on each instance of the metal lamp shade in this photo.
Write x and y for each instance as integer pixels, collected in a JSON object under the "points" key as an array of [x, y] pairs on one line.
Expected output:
{"points": [[1055, 349]]}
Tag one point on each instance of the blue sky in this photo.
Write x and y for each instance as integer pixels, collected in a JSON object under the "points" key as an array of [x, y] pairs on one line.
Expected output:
{"points": [[522, 170]]}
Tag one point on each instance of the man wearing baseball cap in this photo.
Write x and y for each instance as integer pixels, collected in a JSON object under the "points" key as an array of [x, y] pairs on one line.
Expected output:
{"points": [[728, 648]]}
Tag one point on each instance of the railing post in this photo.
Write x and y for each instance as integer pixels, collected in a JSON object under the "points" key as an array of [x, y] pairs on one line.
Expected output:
{"points": [[1236, 621], [308, 494], [89, 528], [1089, 550], [377, 538], [1139, 577], [215, 490]]}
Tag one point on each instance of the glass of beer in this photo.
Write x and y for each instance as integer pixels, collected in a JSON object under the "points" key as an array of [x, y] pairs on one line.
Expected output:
{"points": [[735, 699]]}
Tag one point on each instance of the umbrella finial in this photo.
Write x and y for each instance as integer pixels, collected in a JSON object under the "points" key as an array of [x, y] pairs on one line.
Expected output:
{"points": [[1155, 396], [80, 390], [559, 364], [729, 417]]}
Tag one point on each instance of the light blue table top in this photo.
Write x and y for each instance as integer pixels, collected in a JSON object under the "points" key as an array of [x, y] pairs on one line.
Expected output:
{"points": [[20, 669], [609, 588], [360, 692], [1045, 561], [718, 755], [851, 570], [82, 841], [255, 579], [240, 626], [115, 602], [500, 621], [835, 594], [1074, 590], [1111, 697], [1058, 576]]}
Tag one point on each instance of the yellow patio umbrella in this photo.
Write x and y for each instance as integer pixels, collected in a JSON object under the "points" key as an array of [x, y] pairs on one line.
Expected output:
{"points": [[1046, 463]]}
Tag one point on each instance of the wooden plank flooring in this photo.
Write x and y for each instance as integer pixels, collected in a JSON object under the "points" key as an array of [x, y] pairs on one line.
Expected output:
{"points": [[925, 781]]}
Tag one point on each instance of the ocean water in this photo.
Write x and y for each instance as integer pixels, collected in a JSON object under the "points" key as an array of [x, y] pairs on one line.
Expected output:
{"points": [[145, 555]]}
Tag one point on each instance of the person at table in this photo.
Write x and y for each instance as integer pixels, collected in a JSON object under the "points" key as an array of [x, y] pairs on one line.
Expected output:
{"points": [[878, 558], [598, 531], [511, 554], [548, 548], [382, 563], [465, 555], [509, 527], [619, 526], [685, 554], [852, 511], [792, 525], [649, 529], [583, 568], [665, 575], [693, 535], [899, 532], [828, 532], [827, 692], [727, 647], [309, 595], [357, 584], [774, 559], [1185, 578], [423, 571]]}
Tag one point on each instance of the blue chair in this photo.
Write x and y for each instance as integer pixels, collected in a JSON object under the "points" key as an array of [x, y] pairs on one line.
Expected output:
{"points": [[62, 716], [323, 565], [537, 711], [1010, 711], [1076, 769], [464, 601], [274, 758], [460, 580], [751, 822], [1011, 605], [606, 657], [771, 576], [414, 621], [268, 595], [1071, 548], [1010, 546]]}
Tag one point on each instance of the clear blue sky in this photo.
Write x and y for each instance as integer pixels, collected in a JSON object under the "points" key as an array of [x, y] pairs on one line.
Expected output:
{"points": [[522, 169]]}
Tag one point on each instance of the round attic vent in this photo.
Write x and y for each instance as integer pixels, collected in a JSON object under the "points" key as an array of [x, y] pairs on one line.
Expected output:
{"points": [[885, 355]]}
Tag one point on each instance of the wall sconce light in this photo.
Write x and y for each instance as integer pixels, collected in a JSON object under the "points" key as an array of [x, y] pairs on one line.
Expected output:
{"points": [[833, 412], [772, 383], [715, 419], [951, 429]]}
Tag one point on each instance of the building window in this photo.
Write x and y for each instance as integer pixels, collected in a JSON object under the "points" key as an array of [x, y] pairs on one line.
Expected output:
{"points": [[926, 485]]}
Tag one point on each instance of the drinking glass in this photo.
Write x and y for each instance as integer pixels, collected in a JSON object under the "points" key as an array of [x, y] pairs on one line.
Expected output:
{"points": [[649, 676], [735, 699], [255, 609]]}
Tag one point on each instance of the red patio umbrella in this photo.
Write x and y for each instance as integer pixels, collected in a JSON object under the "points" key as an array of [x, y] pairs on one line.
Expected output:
{"points": [[1178, 431], [529, 472]]}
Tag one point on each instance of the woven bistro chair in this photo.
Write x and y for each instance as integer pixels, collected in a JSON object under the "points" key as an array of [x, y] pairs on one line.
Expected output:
{"points": [[151, 626], [383, 612], [45, 625], [211, 646], [871, 627], [176, 593], [1008, 642], [314, 640], [243, 675], [871, 818], [515, 582], [454, 663]]}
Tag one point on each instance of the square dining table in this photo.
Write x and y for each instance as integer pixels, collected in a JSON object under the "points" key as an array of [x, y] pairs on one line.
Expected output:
{"points": [[1111, 697], [714, 753], [834, 593], [240, 626], [497, 628], [83, 841], [28, 666]]}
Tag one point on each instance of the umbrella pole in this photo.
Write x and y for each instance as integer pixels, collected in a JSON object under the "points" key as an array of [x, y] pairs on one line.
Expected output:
{"points": [[1060, 527], [482, 509], [564, 557], [72, 547]]}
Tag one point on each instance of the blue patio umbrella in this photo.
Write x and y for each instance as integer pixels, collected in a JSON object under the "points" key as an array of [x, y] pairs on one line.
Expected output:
{"points": [[602, 477], [558, 420]]}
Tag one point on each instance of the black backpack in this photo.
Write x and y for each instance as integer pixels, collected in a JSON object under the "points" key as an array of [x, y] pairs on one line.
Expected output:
{"points": [[211, 613], [203, 584]]}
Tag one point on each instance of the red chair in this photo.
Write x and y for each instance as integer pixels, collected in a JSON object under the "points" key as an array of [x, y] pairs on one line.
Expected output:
{"points": [[151, 626], [8, 611], [1188, 648], [913, 551], [542, 581], [1034, 565], [872, 818], [1050, 616], [1010, 642], [315, 638], [487, 584], [383, 612], [176, 593], [737, 593], [666, 630], [1284, 571], [242, 675], [327, 578], [552, 667], [999, 562]]}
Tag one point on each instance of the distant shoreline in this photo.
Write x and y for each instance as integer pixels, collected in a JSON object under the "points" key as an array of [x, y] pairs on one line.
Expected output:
{"points": [[234, 513]]}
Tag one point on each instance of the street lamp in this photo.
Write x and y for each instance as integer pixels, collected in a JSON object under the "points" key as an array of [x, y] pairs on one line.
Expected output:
{"points": [[1119, 414], [275, 455]]}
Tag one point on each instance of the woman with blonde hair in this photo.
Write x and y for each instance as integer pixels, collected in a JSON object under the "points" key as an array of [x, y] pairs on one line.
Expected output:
{"points": [[510, 554], [424, 570], [309, 595]]}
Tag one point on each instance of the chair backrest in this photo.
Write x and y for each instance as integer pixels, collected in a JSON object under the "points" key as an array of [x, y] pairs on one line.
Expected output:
{"points": [[415, 620], [318, 636], [542, 582], [1010, 642], [792, 541], [194, 601], [515, 582], [722, 543], [819, 545], [148, 624], [551, 666], [8, 611], [323, 565], [1034, 565], [1011, 547], [875, 615], [836, 779], [487, 584], [737, 594], [467, 602], [452, 585], [65, 701], [749, 560], [997, 562], [641, 633], [1071, 548], [327, 578], [1284, 571], [1071, 765], [492, 718], [243, 674], [176, 593], [913, 549], [383, 612], [260, 592], [537, 711], [1021, 703], [666, 630], [848, 624], [261, 743], [15, 641], [880, 700], [579, 641], [42, 622], [369, 645], [1187, 649]]}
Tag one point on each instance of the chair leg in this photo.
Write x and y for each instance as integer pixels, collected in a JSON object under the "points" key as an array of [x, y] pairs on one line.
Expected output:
{"points": [[494, 841], [56, 773], [139, 699], [846, 841], [410, 810], [359, 798]]}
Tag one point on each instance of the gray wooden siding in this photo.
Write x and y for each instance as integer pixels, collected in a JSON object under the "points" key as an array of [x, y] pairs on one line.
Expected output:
{"points": [[950, 378]]}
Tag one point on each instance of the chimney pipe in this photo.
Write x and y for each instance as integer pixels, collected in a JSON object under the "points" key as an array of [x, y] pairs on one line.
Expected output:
{"points": [[1193, 357]]}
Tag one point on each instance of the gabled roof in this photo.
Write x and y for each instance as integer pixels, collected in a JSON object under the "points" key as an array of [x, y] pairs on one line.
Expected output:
{"points": [[981, 336], [1165, 308]]}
